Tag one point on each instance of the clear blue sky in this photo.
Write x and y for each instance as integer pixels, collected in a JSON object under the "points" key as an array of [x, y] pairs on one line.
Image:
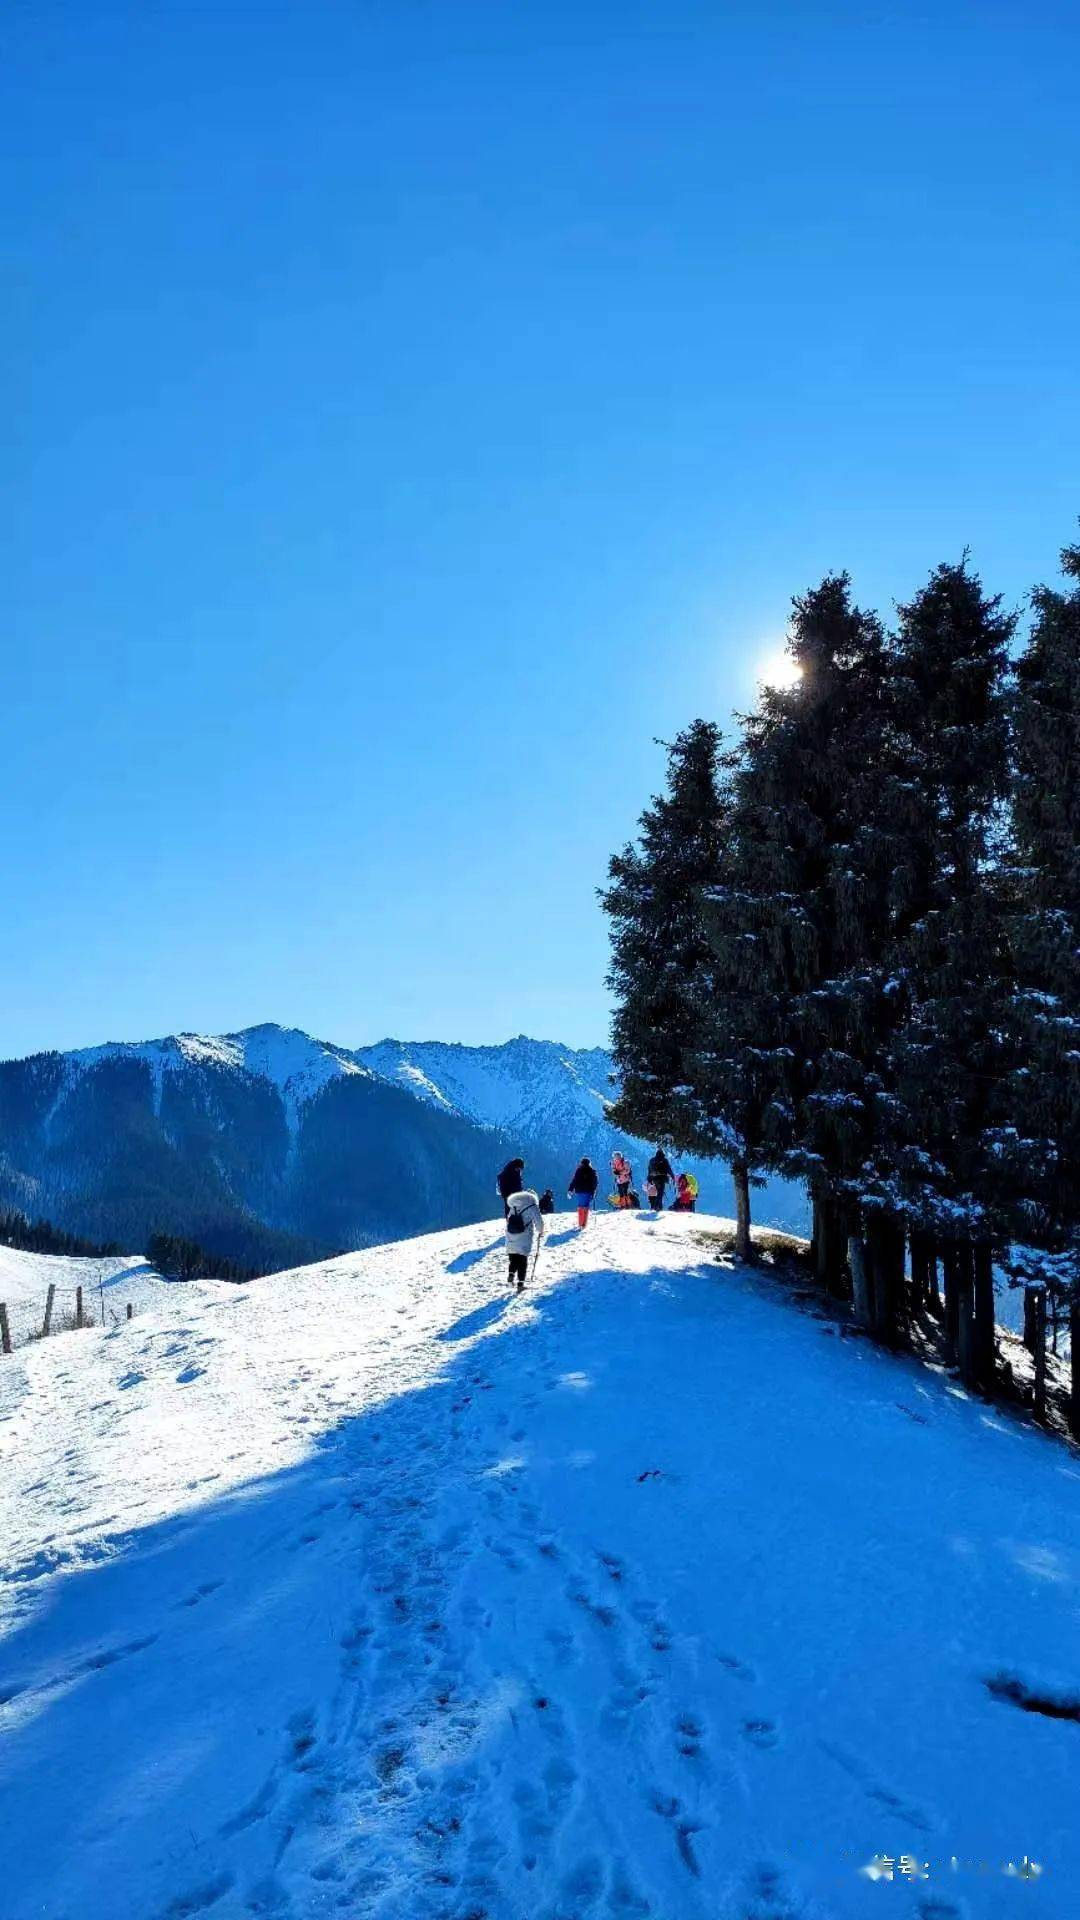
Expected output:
{"points": [[415, 409]]}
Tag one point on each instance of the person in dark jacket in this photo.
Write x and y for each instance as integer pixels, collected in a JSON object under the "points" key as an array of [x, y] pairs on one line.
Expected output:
{"points": [[582, 1189], [509, 1181], [660, 1172], [547, 1201]]}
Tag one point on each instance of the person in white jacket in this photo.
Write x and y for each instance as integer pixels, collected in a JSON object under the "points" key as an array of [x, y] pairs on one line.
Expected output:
{"points": [[524, 1229]]}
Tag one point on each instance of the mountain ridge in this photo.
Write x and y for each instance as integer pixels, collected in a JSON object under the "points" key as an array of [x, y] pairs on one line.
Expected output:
{"points": [[271, 1146]]}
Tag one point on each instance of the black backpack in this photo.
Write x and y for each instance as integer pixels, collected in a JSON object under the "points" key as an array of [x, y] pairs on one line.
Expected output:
{"points": [[515, 1222]]}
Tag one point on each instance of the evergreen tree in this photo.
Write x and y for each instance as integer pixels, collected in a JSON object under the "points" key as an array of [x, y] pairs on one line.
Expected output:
{"points": [[799, 927], [948, 1065], [661, 957], [1042, 1148]]}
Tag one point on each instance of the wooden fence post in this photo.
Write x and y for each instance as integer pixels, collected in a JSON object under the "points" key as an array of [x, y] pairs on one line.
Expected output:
{"points": [[79, 1321], [5, 1330], [51, 1296]]}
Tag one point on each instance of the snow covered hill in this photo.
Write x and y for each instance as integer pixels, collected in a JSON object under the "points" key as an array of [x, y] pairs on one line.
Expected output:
{"points": [[109, 1285], [365, 1590]]}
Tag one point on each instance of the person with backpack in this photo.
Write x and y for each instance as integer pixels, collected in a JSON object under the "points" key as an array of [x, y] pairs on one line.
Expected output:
{"points": [[524, 1226], [509, 1181], [660, 1172], [623, 1175], [686, 1192], [582, 1189]]}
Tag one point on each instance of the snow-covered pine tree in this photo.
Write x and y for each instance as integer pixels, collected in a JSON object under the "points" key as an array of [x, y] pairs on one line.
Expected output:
{"points": [[660, 957], [799, 928], [735, 1065], [1043, 1147], [948, 1063]]}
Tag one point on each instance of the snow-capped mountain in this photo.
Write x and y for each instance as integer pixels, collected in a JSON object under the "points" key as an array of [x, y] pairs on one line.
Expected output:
{"points": [[367, 1591], [270, 1145], [534, 1088]]}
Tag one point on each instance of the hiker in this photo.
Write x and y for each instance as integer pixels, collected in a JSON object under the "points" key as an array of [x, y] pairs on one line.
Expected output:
{"points": [[623, 1175], [660, 1172], [686, 1191], [582, 1189], [509, 1181], [547, 1201], [524, 1225]]}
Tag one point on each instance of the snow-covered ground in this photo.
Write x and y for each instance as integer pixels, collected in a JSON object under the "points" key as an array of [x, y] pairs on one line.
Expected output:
{"points": [[365, 1590], [109, 1284]]}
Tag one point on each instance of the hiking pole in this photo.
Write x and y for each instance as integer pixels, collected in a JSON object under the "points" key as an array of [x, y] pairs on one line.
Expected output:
{"points": [[536, 1256]]}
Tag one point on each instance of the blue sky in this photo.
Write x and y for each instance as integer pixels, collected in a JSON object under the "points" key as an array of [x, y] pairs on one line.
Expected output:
{"points": [[419, 408]]}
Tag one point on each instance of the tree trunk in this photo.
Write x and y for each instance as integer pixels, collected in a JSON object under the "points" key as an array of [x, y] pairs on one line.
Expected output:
{"points": [[918, 1274], [1031, 1317], [983, 1307], [886, 1243], [965, 1299], [1075, 1364], [860, 1280], [830, 1237], [1074, 1390], [923, 1273], [740, 1174], [931, 1275], [950, 1269], [1040, 1354], [820, 1249]]}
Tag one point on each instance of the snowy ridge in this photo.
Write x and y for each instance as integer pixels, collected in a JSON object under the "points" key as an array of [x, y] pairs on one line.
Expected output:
{"points": [[423, 1602], [520, 1085], [298, 1066]]}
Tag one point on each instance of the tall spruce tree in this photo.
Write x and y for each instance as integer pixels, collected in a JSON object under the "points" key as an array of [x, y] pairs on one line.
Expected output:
{"points": [[661, 957], [799, 926], [694, 1020], [1043, 1146], [949, 1061]]}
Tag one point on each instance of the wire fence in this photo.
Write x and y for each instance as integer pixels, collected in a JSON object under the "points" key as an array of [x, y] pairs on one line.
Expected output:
{"points": [[58, 1310]]}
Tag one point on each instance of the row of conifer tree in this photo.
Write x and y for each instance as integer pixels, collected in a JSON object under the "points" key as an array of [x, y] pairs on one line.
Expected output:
{"points": [[40, 1236], [846, 948], [178, 1258]]}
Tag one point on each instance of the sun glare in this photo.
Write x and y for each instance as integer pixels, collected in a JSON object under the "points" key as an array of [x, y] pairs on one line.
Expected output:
{"points": [[778, 669]]}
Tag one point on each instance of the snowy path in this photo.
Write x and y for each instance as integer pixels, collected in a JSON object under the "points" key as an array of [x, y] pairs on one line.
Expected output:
{"points": [[365, 1591]]}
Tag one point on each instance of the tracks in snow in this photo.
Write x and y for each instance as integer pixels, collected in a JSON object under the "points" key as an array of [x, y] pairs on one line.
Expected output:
{"points": [[506, 1695]]}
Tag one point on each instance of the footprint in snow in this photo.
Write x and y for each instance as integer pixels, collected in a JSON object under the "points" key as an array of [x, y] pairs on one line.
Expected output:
{"points": [[201, 1593], [185, 1377], [611, 1564], [760, 1733], [199, 1899], [689, 1734], [770, 1899], [737, 1668], [669, 1807], [584, 1884], [597, 1610], [623, 1896], [301, 1730]]}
